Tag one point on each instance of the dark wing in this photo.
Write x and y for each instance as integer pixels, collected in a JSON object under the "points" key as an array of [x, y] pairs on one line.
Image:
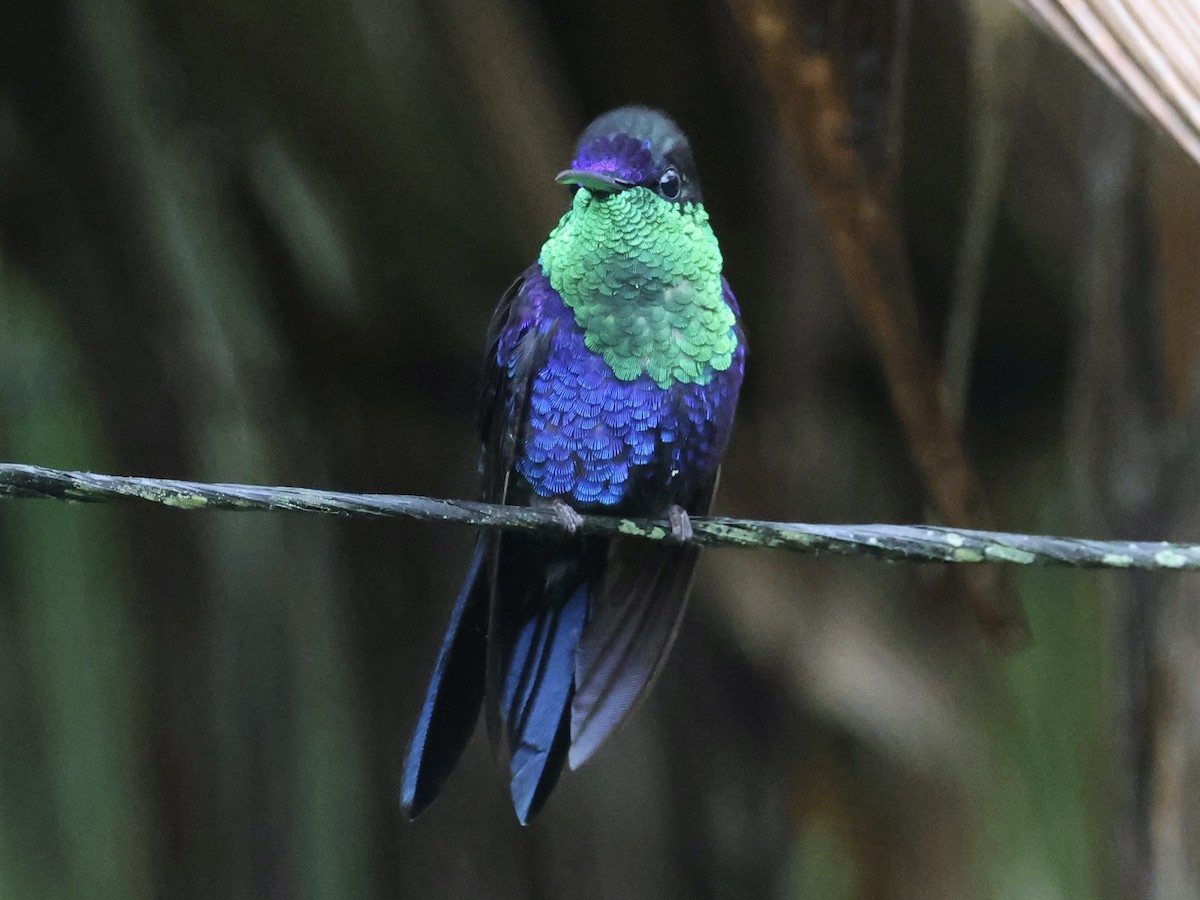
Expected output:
{"points": [[517, 349], [519, 342], [456, 688], [632, 622]]}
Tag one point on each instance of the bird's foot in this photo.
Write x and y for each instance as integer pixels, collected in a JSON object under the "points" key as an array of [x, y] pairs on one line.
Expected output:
{"points": [[681, 524], [563, 511]]}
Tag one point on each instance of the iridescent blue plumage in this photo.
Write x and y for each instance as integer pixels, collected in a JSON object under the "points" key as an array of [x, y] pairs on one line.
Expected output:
{"points": [[600, 440], [612, 378]]}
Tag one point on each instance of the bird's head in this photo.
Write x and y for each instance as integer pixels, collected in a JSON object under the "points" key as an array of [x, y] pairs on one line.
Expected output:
{"points": [[635, 258], [634, 147]]}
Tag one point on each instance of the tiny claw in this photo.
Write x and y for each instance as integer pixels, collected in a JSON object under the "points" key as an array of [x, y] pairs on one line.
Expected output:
{"points": [[570, 520], [681, 524]]}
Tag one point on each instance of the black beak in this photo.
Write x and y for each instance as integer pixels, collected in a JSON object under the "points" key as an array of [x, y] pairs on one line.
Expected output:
{"points": [[596, 182]]}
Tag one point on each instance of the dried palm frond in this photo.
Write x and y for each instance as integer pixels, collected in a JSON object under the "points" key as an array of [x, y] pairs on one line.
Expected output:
{"points": [[1147, 50]]}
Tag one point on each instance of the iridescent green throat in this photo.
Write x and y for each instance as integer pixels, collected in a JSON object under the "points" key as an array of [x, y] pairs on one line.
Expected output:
{"points": [[642, 277]]}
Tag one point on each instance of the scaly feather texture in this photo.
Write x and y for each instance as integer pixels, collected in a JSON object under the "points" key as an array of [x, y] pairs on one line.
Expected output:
{"points": [[643, 279], [612, 377]]}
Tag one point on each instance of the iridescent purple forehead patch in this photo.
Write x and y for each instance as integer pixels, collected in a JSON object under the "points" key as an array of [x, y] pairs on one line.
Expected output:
{"points": [[618, 155]]}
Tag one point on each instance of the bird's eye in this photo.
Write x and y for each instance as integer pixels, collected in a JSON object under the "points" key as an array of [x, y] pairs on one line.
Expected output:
{"points": [[669, 184]]}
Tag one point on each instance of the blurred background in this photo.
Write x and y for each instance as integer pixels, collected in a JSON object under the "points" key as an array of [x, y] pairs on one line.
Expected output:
{"points": [[257, 241]]}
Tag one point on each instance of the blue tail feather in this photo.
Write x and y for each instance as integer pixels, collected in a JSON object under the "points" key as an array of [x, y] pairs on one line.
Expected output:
{"points": [[537, 699], [454, 697]]}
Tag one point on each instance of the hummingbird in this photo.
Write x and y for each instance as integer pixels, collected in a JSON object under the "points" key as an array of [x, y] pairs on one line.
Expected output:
{"points": [[611, 378]]}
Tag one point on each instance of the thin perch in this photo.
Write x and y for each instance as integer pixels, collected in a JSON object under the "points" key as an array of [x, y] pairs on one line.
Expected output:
{"points": [[912, 543]]}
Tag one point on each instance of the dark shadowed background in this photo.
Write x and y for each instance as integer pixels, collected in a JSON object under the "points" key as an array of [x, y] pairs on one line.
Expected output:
{"points": [[250, 240]]}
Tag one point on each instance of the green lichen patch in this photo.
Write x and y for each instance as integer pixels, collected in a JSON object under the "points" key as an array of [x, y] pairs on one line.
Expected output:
{"points": [[1170, 559], [1008, 554]]}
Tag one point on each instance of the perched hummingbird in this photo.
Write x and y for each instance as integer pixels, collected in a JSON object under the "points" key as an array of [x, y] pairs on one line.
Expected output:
{"points": [[612, 375]]}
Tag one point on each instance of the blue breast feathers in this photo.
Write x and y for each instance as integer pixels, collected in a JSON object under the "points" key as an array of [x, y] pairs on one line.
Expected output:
{"points": [[594, 439]]}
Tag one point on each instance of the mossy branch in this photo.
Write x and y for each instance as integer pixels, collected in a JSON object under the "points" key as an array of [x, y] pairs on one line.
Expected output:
{"points": [[914, 543]]}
